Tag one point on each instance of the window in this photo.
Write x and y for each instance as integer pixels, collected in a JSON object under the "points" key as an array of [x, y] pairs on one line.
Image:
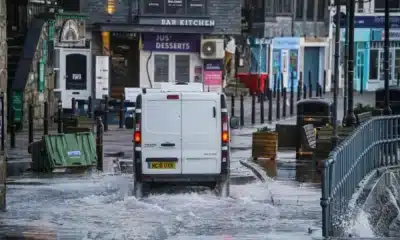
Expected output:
{"points": [[310, 10], [322, 8], [182, 68], [394, 5], [374, 64], [161, 68], [382, 65], [299, 9], [174, 7], [283, 6], [71, 5], [397, 64]]}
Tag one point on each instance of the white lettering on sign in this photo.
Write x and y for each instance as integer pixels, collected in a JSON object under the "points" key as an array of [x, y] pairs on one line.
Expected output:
{"points": [[165, 42], [188, 22], [76, 76]]}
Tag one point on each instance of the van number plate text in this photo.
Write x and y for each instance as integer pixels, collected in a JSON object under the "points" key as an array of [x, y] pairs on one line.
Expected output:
{"points": [[162, 165]]}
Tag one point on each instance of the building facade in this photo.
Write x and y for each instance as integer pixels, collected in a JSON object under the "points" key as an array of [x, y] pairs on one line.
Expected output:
{"points": [[369, 45], [154, 41], [288, 24]]}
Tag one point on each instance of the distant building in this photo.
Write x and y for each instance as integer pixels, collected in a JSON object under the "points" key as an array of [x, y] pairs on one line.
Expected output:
{"points": [[369, 42]]}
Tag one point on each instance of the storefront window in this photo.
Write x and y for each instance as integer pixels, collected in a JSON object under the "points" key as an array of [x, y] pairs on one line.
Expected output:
{"points": [[374, 64], [161, 68], [182, 68], [174, 7], [382, 65], [397, 64]]}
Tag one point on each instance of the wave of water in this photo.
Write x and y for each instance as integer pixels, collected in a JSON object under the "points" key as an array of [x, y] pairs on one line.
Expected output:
{"points": [[100, 207]]}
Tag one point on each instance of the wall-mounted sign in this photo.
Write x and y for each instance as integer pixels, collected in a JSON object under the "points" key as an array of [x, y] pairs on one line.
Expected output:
{"points": [[174, 7], [212, 75], [374, 22], [183, 22], [171, 42]]}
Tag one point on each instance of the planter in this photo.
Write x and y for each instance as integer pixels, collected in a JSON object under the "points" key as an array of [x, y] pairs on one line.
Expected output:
{"points": [[264, 145]]}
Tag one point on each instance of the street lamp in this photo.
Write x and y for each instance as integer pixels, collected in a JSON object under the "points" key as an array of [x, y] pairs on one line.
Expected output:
{"points": [[386, 109], [350, 118], [335, 136]]}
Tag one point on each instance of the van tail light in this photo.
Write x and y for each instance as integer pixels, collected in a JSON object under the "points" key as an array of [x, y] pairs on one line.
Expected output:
{"points": [[225, 130], [172, 97], [137, 135]]}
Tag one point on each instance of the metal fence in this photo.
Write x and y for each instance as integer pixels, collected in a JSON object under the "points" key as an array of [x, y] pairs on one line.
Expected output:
{"points": [[372, 145]]}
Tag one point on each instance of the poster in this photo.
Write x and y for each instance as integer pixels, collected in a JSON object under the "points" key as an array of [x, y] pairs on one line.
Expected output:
{"points": [[198, 74], [102, 76], [212, 76]]}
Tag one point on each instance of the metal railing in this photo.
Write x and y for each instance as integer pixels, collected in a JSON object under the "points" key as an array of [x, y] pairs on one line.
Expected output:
{"points": [[372, 145]]}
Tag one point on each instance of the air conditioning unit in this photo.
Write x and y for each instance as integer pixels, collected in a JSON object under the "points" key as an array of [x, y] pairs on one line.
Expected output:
{"points": [[212, 49]]}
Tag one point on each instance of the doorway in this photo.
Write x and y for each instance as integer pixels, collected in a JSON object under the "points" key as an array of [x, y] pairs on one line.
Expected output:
{"points": [[311, 66], [75, 75], [124, 64]]}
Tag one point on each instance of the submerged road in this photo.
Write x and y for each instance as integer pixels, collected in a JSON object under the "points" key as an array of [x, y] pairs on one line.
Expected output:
{"points": [[100, 206]]}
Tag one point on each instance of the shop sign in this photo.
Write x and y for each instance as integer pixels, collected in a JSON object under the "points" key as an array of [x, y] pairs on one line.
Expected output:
{"points": [[171, 42]]}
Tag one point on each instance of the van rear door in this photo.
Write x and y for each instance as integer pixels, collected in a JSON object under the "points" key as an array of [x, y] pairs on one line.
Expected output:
{"points": [[161, 133], [201, 138]]}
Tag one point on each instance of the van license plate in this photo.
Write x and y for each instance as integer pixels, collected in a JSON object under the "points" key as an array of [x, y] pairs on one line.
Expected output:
{"points": [[162, 165]]}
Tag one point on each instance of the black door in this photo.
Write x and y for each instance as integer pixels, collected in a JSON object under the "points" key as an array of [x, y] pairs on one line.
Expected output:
{"points": [[75, 68]]}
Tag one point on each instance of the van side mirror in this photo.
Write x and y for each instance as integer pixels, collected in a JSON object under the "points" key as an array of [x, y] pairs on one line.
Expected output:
{"points": [[234, 122]]}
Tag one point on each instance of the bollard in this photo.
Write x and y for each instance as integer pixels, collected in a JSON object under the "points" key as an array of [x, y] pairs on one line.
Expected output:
{"points": [[262, 119], [241, 110], [278, 102], [309, 85], [269, 105], [2, 121], [324, 84], [59, 117], [398, 79], [275, 81], [121, 111], [361, 83], [105, 121], [12, 128], [304, 91], [73, 102], [253, 108], [99, 143], [232, 105], [46, 118], [284, 103], [90, 107], [299, 85], [30, 123], [291, 95]]}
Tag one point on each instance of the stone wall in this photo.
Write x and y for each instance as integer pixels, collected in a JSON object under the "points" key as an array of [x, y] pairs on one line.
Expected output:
{"points": [[31, 94], [3, 88]]}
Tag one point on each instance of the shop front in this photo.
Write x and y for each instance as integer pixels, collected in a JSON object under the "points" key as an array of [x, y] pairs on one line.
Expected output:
{"points": [[170, 58], [285, 61]]}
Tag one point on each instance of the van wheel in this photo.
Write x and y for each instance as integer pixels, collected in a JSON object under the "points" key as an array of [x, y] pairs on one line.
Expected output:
{"points": [[222, 188], [140, 189]]}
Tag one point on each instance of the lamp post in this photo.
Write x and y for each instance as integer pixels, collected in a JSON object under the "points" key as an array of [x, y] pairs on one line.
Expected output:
{"points": [[350, 119], [336, 81], [386, 109], [346, 57]]}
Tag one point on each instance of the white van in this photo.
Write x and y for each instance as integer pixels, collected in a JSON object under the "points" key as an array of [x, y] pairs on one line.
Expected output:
{"points": [[182, 137]]}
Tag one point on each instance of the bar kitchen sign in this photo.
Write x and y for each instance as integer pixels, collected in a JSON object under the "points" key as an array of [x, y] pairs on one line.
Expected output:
{"points": [[171, 42], [182, 22]]}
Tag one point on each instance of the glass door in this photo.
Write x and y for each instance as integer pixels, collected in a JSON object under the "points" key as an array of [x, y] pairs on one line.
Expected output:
{"points": [[359, 70]]}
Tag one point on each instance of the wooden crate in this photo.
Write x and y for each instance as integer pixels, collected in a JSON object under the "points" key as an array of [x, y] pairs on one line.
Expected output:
{"points": [[265, 145]]}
